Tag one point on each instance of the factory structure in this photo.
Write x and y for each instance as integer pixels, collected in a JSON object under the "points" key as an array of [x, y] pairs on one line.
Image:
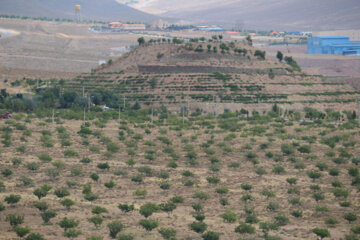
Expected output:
{"points": [[333, 45], [210, 29], [118, 26]]}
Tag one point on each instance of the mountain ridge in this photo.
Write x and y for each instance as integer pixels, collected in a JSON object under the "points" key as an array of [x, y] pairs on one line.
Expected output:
{"points": [[287, 15], [104, 10]]}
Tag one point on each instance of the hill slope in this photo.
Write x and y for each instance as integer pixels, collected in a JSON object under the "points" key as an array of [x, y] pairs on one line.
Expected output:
{"points": [[105, 10], [261, 14], [171, 74]]}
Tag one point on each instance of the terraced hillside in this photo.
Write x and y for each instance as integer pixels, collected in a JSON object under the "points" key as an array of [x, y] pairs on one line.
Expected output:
{"points": [[234, 79]]}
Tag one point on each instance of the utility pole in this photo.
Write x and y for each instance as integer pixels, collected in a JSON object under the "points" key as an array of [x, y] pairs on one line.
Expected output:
{"points": [[152, 115], [53, 118], [124, 98], [214, 106], [183, 112], [188, 99], [119, 113], [359, 109], [83, 91], [84, 115], [88, 97]]}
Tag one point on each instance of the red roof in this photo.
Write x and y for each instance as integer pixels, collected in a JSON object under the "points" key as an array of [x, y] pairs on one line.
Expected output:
{"points": [[274, 33], [115, 23], [232, 32]]}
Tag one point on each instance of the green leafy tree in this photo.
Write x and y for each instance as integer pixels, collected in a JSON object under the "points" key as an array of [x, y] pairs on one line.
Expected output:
{"points": [[229, 216], [99, 210], [21, 231], [35, 236], [2, 207], [72, 233], [321, 232], [280, 56], [211, 236], [42, 191], [96, 220], [68, 203], [167, 233], [148, 209], [14, 219], [148, 224], [198, 227], [141, 41], [12, 199], [125, 237], [268, 226], [168, 207], [61, 192], [351, 217], [114, 228], [249, 40], [260, 54], [125, 208], [42, 206], [66, 223], [47, 216], [94, 177], [244, 228]]}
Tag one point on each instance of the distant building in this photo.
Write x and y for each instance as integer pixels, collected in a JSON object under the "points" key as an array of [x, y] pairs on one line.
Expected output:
{"points": [[210, 29], [159, 24], [232, 33], [127, 27], [274, 33], [333, 45]]}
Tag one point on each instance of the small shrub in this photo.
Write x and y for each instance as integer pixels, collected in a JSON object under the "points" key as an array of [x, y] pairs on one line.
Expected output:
{"points": [[35, 236], [297, 213], [33, 166], [21, 231], [47, 215], [125, 237], [278, 169], [331, 221], [229, 216], [148, 224], [321, 232], [167, 233], [12, 199], [125, 208], [14, 219], [99, 210], [96, 220], [42, 206], [244, 228], [198, 227], [148, 209], [68, 203], [211, 236], [61, 192]]}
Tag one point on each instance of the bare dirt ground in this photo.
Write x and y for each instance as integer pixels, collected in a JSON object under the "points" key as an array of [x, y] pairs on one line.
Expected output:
{"points": [[226, 151], [61, 48]]}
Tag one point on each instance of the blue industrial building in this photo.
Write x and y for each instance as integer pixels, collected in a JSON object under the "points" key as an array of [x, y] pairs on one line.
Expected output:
{"points": [[333, 45], [211, 29]]}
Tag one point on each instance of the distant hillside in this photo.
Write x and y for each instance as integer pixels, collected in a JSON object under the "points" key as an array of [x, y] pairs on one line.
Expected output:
{"points": [[262, 14], [105, 10], [172, 74]]}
